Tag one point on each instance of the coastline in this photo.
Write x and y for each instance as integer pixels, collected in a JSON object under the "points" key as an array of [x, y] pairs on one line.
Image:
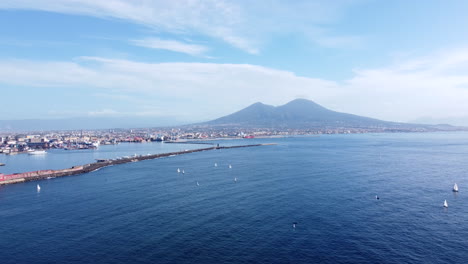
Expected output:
{"points": [[80, 169]]}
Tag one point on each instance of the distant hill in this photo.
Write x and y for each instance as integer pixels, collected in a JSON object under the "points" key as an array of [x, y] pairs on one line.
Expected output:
{"points": [[302, 113], [84, 123], [297, 114], [453, 120]]}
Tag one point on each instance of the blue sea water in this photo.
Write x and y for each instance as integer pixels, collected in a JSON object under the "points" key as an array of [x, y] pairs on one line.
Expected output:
{"points": [[145, 212], [62, 159]]}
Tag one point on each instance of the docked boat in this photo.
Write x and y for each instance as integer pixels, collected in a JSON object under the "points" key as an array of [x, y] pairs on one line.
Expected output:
{"points": [[37, 152]]}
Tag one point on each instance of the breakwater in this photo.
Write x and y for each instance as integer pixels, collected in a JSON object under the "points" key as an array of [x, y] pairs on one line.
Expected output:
{"points": [[79, 169]]}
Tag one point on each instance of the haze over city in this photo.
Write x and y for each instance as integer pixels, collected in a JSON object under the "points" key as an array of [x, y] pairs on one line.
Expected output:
{"points": [[192, 61]]}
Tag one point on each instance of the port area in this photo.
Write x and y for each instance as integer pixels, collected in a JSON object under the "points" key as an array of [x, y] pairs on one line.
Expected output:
{"points": [[101, 163]]}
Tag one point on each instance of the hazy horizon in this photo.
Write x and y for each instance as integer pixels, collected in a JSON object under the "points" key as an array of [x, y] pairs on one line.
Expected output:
{"points": [[245, 114]]}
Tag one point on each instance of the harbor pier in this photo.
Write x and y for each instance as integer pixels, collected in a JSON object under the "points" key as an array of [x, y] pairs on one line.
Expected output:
{"points": [[80, 169]]}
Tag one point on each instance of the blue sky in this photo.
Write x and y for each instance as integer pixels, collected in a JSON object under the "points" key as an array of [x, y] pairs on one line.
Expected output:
{"points": [[198, 60]]}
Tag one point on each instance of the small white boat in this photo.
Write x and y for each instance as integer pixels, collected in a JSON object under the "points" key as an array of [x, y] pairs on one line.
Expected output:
{"points": [[198, 184], [235, 179], [455, 187], [38, 188], [183, 172], [37, 152], [216, 164], [445, 204], [230, 166], [178, 170]]}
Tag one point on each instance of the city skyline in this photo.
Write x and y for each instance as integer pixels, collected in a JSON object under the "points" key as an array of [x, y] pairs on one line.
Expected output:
{"points": [[195, 61]]}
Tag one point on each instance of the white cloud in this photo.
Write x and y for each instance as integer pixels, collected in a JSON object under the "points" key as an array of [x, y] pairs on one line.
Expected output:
{"points": [[103, 112], [171, 45], [190, 90], [213, 18], [435, 86], [242, 24]]}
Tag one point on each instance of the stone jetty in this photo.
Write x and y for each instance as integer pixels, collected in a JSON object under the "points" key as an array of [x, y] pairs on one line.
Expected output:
{"points": [[47, 174]]}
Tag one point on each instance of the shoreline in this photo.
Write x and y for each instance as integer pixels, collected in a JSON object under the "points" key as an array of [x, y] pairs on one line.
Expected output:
{"points": [[81, 169]]}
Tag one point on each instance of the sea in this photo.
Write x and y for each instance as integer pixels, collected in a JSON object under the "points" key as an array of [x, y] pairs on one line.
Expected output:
{"points": [[146, 212]]}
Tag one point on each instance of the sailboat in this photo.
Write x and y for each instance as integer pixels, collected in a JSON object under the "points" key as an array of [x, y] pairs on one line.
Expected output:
{"points": [[178, 170], [198, 184], [216, 164], [38, 188], [455, 187], [230, 166], [183, 172], [235, 179], [445, 204]]}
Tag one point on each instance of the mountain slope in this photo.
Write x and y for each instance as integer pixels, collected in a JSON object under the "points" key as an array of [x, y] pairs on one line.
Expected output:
{"points": [[299, 113]]}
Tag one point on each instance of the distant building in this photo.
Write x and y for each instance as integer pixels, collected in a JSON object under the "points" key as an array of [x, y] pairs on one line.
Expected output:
{"points": [[37, 143], [11, 142]]}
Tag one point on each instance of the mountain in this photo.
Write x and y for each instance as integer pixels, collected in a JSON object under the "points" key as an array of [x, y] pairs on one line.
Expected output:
{"points": [[453, 120], [297, 114], [302, 114]]}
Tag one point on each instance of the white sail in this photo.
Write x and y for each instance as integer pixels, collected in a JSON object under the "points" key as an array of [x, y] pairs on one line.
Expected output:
{"points": [[178, 170], [198, 184], [230, 166], [38, 188], [445, 204], [455, 187], [183, 171], [216, 164], [235, 179]]}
